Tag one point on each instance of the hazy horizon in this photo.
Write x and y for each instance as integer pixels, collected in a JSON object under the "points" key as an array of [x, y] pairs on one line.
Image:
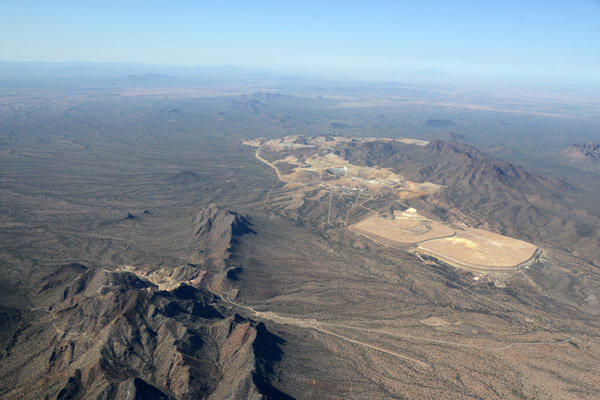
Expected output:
{"points": [[548, 42], [86, 72]]}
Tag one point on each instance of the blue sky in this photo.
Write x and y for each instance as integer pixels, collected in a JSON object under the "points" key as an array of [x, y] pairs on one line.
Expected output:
{"points": [[527, 39]]}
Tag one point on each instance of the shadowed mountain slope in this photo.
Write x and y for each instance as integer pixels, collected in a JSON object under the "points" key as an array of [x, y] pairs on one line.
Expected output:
{"points": [[215, 231]]}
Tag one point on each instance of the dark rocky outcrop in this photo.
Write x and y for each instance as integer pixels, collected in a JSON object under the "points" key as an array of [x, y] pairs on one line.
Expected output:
{"points": [[215, 231], [185, 178]]}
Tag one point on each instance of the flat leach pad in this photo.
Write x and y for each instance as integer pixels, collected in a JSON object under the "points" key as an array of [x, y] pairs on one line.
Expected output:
{"points": [[481, 249], [405, 228]]}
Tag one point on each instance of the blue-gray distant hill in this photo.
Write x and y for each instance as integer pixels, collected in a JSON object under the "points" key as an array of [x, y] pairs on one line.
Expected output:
{"points": [[438, 123], [149, 78]]}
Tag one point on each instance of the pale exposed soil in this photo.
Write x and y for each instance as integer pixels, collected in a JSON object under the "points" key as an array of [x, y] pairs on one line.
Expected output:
{"points": [[405, 228], [314, 166], [481, 249]]}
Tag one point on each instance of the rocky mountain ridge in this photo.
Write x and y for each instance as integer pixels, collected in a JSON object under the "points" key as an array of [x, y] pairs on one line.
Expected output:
{"points": [[585, 156], [130, 333], [108, 334]]}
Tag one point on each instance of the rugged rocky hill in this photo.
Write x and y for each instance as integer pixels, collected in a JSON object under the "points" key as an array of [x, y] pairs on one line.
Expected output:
{"points": [[215, 231], [128, 332], [584, 156]]}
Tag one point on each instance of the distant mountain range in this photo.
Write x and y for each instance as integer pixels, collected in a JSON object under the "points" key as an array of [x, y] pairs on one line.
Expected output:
{"points": [[131, 72]]}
